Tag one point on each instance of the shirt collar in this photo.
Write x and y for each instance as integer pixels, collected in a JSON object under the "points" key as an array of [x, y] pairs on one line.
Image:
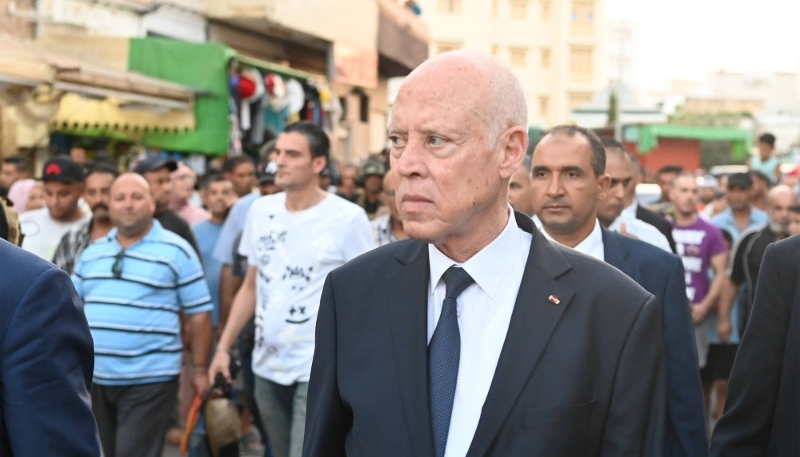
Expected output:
{"points": [[591, 245], [155, 231], [488, 267], [631, 209]]}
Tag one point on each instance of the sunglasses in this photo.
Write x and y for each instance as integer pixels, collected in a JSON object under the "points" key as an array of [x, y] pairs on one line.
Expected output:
{"points": [[116, 268]]}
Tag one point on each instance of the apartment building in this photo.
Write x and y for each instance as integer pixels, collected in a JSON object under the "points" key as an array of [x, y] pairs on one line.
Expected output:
{"points": [[559, 48]]}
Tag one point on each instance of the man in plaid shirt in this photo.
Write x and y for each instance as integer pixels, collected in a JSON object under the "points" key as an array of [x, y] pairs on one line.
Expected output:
{"points": [[96, 191]]}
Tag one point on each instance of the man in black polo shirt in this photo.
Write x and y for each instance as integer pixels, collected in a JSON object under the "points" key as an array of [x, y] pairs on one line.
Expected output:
{"points": [[156, 171], [748, 253]]}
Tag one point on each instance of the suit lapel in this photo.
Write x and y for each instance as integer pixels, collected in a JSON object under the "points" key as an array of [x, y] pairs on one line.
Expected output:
{"points": [[408, 304], [615, 252], [533, 321]]}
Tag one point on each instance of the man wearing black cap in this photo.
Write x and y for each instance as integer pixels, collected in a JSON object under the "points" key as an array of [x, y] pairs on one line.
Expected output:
{"points": [[266, 178], [43, 228], [370, 200], [740, 215], [156, 170]]}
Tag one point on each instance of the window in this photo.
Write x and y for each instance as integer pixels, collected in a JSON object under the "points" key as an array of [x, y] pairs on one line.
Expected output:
{"points": [[517, 56], [495, 50], [519, 9], [582, 23], [544, 105], [577, 99], [450, 6], [581, 64], [546, 7], [442, 47], [545, 58]]}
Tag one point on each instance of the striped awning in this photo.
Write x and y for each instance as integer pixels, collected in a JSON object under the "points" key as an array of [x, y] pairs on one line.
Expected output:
{"points": [[95, 96], [77, 113]]}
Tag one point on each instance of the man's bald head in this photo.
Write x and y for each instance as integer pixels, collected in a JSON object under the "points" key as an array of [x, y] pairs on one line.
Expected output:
{"points": [[493, 91], [128, 179], [779, 201], [131, 206], [781, 191]]}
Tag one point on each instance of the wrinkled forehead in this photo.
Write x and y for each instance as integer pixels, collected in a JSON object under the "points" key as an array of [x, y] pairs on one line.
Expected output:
{"points": [[442, 92]]}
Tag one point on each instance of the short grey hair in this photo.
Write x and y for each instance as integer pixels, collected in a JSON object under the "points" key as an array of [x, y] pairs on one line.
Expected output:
{"points": [[508, 105]]}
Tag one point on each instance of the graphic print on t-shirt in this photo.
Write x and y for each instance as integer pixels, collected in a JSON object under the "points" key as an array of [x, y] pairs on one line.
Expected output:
{"points": [[696, 244]]}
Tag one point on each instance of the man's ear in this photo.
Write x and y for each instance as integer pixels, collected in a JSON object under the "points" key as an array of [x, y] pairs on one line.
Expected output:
{"points": [[603, 184], [319, 164], [514, 144]]}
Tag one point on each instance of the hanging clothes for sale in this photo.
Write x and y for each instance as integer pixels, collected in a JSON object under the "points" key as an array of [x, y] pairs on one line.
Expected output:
{"points": [[311, 104], [251, 117], [276, 110]]}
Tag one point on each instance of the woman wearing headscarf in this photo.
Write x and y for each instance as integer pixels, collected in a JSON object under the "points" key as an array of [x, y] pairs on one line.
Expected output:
{"points": [[19, 192]]}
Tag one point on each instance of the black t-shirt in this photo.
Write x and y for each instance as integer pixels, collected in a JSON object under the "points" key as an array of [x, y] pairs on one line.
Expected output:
{"points": [[746, 260], [239, 265], [371, 207], [174, 223]]}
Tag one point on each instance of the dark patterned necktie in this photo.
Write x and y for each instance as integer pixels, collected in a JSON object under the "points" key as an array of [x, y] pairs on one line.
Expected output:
{"points": [[444, 352]]}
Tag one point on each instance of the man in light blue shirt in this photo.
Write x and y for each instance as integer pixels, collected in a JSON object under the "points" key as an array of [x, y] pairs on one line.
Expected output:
{"points": [[740, 215], [134, 283], [218, 196]]}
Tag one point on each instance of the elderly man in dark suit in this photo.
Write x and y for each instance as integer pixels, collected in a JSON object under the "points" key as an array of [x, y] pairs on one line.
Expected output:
{"points": [[46, 361], [762, 411], [477, 336]]}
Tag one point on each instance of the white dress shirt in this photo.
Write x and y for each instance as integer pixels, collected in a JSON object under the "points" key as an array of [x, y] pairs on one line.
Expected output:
{"points": [[641, 230], [630, 211], [591, 245], [484, 313]]}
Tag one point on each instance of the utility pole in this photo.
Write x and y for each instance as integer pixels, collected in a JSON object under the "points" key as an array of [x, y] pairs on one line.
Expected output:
{"points": [[623, 37]]}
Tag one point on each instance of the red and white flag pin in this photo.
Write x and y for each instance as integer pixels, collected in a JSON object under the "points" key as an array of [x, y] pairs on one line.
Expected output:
{"points": [[554, 299]]}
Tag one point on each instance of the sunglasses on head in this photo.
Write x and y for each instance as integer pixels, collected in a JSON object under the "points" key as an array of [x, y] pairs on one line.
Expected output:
{"points": [[116, 268]]}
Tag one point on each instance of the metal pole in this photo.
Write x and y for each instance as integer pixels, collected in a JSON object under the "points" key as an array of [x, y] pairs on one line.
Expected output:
{"points": [[618, 108]]}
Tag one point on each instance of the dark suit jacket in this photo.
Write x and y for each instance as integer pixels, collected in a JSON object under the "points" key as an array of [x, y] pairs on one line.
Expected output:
{"points": [[663, 225], [46, 361], [662, 274], [583, 377], [762, 410]]}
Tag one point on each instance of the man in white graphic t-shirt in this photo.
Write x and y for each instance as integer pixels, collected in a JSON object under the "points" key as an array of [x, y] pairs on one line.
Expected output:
{"points": [[292, 240]]}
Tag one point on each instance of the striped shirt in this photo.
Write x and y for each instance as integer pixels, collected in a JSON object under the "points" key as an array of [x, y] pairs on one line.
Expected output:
{"points": [[134, 317]]}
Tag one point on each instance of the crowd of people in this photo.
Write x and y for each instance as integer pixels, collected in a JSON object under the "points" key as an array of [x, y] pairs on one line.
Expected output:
{"points": [[315, 293]]}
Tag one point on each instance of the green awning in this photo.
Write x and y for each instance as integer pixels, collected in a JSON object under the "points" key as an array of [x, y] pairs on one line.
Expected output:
{"points": [[201, 66], [646, 136], [281, 70]]}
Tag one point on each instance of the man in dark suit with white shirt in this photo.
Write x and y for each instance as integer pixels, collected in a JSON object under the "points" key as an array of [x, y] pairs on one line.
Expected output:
{"points": [[477, 336], [574, 150]]}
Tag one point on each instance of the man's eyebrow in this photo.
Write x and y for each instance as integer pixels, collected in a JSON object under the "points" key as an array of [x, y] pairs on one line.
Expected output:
{"points": [[563, 169]]}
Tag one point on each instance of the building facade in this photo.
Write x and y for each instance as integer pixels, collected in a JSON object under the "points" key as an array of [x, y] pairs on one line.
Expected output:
{"points": [[557, 47]]}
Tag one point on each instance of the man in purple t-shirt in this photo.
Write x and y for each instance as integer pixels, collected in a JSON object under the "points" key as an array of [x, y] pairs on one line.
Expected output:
{"points": [[701, 246]]}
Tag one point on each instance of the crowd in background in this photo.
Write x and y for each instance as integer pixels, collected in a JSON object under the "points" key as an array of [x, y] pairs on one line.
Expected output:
{"points": [[180, 273]]}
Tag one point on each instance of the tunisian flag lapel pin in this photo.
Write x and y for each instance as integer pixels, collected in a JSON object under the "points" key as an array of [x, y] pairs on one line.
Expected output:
{"points": [[553, 299]]}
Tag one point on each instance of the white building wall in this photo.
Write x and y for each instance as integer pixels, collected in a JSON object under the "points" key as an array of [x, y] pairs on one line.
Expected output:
{"points": [[177, 19]]}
